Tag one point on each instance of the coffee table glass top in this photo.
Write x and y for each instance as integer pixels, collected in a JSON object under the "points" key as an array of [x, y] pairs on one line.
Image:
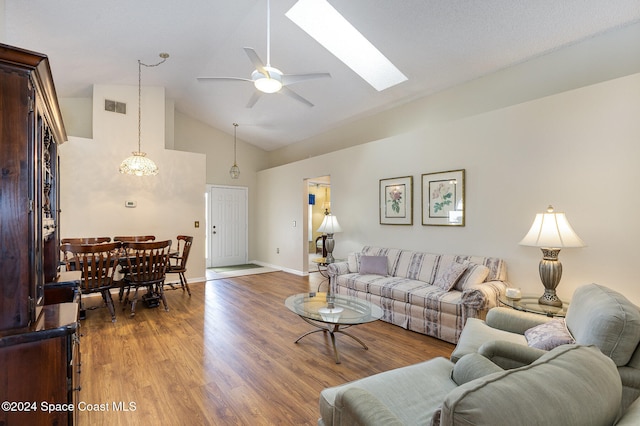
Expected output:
{"points": [[314, 306]]}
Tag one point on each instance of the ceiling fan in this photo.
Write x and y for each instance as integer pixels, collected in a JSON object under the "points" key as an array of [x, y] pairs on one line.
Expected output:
{"points": [[268, 79]]}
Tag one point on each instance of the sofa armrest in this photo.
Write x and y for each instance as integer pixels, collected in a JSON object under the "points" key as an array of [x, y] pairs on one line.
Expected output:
{"points": [[337, 268], [508, 355], [509, 319], [360, 407], [484, 295]]}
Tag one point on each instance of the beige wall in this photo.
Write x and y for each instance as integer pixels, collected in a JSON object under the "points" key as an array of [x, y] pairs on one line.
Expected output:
{"points": [[195, 136], [93, 192], [600, 58], [577, 150]]}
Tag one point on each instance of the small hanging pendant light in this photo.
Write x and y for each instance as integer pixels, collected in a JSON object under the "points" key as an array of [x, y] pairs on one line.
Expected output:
{"points": [[234, 172], [138, 164]]}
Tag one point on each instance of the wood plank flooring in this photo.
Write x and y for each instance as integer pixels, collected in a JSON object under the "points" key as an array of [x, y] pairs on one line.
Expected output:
{"points": [[225, 356]]}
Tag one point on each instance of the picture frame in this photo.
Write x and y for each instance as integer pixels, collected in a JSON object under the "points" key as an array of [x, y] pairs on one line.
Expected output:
{"points": [[443, 198], [396, 201]]}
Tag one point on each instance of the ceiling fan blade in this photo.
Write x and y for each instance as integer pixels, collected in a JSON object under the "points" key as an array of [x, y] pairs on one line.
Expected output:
{"points": [[254, 98], [224, 78], [256, 61], [289, 79], [295, 96]]}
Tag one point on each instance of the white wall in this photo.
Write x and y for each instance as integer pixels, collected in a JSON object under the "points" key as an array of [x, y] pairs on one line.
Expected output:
{"points": [[577, 150], [93, 192]]}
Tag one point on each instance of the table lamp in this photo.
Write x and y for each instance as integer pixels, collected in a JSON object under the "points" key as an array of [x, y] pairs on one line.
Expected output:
{"points": [[551, 232], [330, 226]]}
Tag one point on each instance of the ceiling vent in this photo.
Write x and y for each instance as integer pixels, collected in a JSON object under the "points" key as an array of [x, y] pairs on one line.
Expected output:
{"points": [[115, 106]]}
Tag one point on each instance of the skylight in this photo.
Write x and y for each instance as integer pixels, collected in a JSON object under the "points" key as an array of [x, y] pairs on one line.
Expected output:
{"points": [[329, 28]]}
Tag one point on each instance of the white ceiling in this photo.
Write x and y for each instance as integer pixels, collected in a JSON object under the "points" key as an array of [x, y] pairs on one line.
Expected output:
{"points": [[436, 43]]}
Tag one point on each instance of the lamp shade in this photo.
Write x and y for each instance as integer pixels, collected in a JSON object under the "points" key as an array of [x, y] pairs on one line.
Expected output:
{"points": [[551, 230], [330, 225]]}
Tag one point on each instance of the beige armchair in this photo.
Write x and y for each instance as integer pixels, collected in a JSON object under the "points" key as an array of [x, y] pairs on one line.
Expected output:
{"points": [[596, 316], [569, 385]]}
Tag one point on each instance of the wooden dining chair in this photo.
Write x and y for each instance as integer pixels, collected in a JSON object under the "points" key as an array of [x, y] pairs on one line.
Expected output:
{"points": [[86, 240], [178, 263], [67, 260], [135, 238], [97, 263], [123, 266], [146, 264]]}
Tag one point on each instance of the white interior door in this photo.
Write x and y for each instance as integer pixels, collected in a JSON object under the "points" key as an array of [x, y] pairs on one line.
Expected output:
{"points": [[227, 226]]}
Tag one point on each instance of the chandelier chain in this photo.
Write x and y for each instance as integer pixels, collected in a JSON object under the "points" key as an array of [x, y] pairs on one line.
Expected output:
{"points": [[164, 57]]}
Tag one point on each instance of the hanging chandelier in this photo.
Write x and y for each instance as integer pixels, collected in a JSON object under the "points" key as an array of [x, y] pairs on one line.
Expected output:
{"points": [[234, 172], [138, 164]]}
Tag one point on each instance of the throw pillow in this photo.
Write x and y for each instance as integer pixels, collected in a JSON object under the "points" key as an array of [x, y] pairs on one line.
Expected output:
{"points": [[474, 274], [376, 265], [549, 335], [450, 276], [353, 259]]}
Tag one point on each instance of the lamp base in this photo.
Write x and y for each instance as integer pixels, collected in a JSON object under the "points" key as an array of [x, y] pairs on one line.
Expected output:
{"points": [[550, 298]]}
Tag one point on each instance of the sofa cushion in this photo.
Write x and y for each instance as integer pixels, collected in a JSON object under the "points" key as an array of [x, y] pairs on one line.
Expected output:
{"points": [[549, 335], [447, 278], [353, 260], [588, 382], [474, 274], [602, 317], [376, 265]]}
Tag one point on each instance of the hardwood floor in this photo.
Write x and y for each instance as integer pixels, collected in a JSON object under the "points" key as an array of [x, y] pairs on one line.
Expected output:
{"points": [[225, 356]]}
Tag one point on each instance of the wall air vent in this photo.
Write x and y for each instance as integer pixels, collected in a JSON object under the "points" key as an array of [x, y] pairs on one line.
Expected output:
{"points": [[115, 106]]}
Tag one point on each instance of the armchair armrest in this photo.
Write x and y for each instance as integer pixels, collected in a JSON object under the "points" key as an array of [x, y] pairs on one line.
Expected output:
{"points": [[630, 385], [508, 355], [337, 268], [360, 407], [508, 319], [471, 367]]}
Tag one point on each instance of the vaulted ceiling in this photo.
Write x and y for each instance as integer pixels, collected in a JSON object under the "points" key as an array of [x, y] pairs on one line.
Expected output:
{"points": [[437, 44]]}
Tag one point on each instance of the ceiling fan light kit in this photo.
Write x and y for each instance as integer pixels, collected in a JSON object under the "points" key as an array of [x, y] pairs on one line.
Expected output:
{"points": [[270, 83], [268, 79]]}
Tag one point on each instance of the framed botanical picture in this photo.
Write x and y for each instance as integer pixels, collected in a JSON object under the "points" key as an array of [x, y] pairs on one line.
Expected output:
{"points": [[443, 198], [396, 201]]}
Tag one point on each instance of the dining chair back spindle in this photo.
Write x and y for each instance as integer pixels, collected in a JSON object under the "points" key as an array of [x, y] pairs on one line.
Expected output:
{"points": [[178, 263], [146, 265], [67, 257], [97, 263]]}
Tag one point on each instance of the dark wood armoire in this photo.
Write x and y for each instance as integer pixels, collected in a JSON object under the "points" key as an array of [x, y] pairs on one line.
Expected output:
{"points": [[39, 344]]}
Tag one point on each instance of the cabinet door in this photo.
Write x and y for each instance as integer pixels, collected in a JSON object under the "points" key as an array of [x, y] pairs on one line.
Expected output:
{"points": [[16, 201], [35, 372]]}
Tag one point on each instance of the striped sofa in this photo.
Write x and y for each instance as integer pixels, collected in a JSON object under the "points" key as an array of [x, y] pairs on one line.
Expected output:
{"points": [[412, 294]]}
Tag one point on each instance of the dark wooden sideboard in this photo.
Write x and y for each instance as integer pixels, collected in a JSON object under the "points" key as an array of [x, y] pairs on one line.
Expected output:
{"points": [[39, 342]]}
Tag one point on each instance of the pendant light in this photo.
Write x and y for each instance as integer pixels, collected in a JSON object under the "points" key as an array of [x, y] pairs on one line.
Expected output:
{"points": [[234, 172], [138, 164]]}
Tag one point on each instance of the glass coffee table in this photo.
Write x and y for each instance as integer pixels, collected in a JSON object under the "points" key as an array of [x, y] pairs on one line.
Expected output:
{"points": [[333, 315], [529, 303]]}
